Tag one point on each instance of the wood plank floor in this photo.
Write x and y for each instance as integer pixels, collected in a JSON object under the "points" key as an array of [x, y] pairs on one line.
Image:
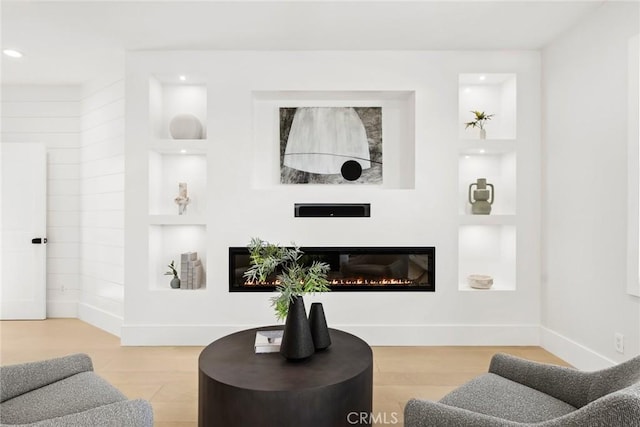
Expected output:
{"points": [[167, 376]]}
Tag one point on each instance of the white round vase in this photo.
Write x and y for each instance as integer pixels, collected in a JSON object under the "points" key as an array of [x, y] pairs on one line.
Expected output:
{"points": [[185, 126]]}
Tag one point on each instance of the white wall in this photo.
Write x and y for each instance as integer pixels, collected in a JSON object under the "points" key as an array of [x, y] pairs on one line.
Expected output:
{"points": [[102, 203], [51, 115], [241, 204], [584, 190]]}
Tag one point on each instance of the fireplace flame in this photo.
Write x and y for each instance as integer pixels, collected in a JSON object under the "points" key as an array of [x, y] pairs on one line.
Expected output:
{"points": [[343, 282]]}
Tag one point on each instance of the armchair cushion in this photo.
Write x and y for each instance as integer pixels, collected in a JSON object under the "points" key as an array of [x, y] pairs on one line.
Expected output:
{"points": [[24, 377], [65, 392], [518, 393], [74, 394], [493, 395]]}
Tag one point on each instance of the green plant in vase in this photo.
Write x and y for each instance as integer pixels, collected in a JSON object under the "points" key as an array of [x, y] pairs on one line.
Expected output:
{"points": [[175, 282], [479, 122], [294, 277]]}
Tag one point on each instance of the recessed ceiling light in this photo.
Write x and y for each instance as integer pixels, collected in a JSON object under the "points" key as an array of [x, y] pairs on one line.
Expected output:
{"points": [[182, 78], [12, 53], [467, 90], [482, 151], [482, 77], [183, 151]]}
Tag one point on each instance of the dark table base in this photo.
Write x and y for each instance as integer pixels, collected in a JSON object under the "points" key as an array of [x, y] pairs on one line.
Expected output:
{"points": [[291, 393]]}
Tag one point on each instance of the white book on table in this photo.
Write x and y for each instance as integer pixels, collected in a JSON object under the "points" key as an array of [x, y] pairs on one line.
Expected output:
{"points": [[268, 341]]}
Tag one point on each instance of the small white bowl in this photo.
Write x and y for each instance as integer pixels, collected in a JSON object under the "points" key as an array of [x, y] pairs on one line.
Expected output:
{"points": [[480, 281]]}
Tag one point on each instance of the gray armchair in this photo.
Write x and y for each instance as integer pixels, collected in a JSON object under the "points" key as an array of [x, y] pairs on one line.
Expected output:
{"points": [[65, 392], [518, 392]]}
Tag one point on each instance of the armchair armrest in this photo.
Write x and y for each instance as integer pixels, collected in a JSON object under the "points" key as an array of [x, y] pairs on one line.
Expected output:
{"points": [[616, 409], [21, 378], [126, 413], [567, 384], [424, 413]]}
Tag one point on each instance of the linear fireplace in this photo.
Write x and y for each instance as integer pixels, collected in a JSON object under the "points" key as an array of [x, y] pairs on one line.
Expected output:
{"points": [[353, 268]]}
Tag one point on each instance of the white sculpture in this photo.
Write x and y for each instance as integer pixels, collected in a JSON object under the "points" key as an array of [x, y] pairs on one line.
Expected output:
{"points": [[182, 200]]}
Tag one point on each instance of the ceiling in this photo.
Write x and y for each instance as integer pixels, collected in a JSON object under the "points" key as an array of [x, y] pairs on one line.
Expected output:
{"points": [[70, 42]]}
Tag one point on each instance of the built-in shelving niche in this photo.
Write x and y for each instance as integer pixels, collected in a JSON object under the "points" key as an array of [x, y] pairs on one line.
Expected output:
{"points": [[487, 243], [166, 244], [166, 170], [492, 93], [170, 96], [499, 169], [487, 250], [172, 161]]}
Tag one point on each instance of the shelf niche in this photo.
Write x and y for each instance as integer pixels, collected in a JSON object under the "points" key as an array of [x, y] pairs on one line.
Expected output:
{"points": [[166, 244], [166, 171], [170, 97], [489, 250], [493, 93], [499, 168]]}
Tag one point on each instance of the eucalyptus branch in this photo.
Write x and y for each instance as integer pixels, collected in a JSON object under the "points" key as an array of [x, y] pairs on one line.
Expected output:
{"points": [[294, 276]]}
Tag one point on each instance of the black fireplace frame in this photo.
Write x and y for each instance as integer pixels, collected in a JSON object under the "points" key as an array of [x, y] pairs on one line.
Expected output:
{"points": [[430, 251]]}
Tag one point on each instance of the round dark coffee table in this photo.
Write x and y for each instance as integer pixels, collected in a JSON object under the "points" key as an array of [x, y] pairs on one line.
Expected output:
{"points": [[238, 387]]}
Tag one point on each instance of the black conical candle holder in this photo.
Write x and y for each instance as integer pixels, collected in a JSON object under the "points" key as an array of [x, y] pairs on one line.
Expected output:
{"points": [[318, 325], [297, 343]]}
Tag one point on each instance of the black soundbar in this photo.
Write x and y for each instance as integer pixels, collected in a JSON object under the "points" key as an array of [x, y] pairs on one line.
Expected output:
{"points": [[311, 210]]}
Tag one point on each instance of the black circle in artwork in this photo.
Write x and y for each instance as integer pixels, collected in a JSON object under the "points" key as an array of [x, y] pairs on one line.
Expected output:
{"points": [[351, 170]]}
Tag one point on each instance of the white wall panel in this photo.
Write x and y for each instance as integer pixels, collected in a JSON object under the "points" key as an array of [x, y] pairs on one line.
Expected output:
{"points": [[102, 236], [63, 234], [63, 265], [112, 220], [584, 299], [102, 202], [63, 171], [40, 124], [51, 115], [105, 183], [40, 109], [61, 281], [63, 203], [103, 149], [98, 94], [63, 219], [104, 131], [102, 271], [41, 93], [51, 140], [64, 187], [104, 114], [107, 166], [64, 155], [70, 250]]}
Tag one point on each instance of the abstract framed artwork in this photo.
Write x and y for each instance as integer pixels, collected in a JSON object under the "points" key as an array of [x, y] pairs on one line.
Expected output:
{"points": [[331, 145]]}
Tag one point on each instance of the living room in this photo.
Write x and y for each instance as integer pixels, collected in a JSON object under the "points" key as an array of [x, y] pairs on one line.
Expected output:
{"points": [[561, 241]]}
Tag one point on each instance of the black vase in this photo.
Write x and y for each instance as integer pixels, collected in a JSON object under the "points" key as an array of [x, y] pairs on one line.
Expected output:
{"points": [[318, 325], [297, 343]]}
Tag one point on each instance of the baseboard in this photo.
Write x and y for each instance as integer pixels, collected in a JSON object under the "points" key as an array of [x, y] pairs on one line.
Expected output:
{"points": [[176, 335], [62, 309], [378, 335], [100, 318], [572, 352], [439, 335]]}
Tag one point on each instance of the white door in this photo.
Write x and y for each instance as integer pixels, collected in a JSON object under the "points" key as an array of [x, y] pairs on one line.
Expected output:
{"points": [[24, 221]]}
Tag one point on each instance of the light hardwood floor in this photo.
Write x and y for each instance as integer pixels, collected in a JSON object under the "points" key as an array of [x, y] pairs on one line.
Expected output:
{"points": [[167, 376]]}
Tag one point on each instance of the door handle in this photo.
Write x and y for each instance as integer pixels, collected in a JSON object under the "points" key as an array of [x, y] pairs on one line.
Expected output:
{"points": [[39, 240]]}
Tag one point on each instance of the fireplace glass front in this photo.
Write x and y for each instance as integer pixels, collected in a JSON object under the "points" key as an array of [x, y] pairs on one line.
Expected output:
{"points": [[352, 268]]}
